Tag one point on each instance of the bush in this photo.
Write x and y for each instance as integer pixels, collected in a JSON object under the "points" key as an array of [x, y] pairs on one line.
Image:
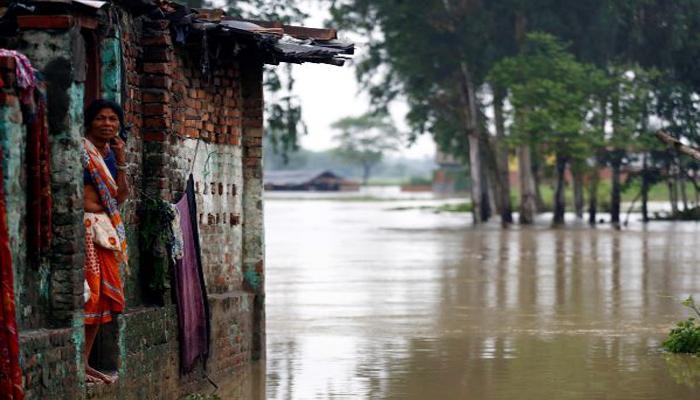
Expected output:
{"points": [[685, 337], [420, 180], [199, 396], [459, 207]]}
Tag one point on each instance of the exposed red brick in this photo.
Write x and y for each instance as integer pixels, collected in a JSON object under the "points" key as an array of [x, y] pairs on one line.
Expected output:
{"points": [[252, 122], [155, 109], [155, 96], [157, 40], [157, 81], [252, 141], [251, 162], [157, 54], [45, 21], [156, 123], [254, 152], [156, 136], [157, 68]]}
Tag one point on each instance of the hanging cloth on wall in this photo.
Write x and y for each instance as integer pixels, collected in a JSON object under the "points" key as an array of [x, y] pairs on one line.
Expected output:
{"points": [[10, 371], [24, 73], [39, 180], [190, 290]]}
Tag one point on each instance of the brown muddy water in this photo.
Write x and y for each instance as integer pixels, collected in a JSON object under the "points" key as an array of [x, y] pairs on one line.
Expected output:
{"points": [[368, 302]]}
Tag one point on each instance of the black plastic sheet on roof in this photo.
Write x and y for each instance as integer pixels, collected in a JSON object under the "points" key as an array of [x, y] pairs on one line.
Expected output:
{"points": [[274, 41], [280, 43]]}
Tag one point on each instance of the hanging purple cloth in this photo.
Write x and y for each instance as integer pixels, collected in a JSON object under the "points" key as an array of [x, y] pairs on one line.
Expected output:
{"points": [[190, 291]]}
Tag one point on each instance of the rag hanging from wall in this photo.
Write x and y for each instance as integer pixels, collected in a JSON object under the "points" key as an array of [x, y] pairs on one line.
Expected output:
{"points": [[170, 237], [39, 179], [190, 290], [32, 94], [10, 371]]}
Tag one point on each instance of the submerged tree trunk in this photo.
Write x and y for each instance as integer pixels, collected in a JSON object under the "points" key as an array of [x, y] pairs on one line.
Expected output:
{"points": [[489, 177], [471, 121], [682, 185], [366, 171], [475, 175], [593, 195], [501, 146], [487, 205], [537, 179], [672, 190], [645, 188], [616, 163], [577, 174], [615, 193], [644, 192], [672, 196], [528, 203], [485, 160], [559, 199]]}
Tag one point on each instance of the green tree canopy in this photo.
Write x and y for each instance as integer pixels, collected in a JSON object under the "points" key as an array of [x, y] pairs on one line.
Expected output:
{"points": [[364, 139]]}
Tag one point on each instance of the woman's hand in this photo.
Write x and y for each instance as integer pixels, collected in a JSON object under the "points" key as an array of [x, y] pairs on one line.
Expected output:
{"points": [[119, 148]]}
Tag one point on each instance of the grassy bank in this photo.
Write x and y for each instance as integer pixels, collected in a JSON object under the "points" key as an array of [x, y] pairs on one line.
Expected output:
{"points": [[657, 193]]}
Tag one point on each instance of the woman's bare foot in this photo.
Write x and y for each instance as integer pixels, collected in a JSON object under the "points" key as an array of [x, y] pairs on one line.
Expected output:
{"points": [[92, 372], [92, 379]]}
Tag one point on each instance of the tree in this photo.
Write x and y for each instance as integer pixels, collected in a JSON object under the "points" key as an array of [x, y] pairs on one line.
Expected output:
{"points": [[551, 97], [364, 139], [426, 52], [438, 54]]}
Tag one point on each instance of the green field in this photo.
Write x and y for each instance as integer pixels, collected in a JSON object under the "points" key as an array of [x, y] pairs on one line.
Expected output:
{"points": [[657, 193]]}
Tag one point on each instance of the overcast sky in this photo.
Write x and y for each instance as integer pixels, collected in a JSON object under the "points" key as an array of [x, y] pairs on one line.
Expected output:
{"points": [[329, 93]]}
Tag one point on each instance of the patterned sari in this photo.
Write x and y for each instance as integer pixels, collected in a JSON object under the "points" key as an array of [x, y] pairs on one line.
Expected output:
{"points": [[105, 243]]}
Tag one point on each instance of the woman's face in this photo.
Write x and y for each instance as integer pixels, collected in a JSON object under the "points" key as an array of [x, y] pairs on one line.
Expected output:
{"points": [[105, 125]]}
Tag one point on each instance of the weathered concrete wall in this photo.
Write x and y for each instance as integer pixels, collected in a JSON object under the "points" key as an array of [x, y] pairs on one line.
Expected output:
{"points": [[253, 233], [182, 119], [51, 289]]}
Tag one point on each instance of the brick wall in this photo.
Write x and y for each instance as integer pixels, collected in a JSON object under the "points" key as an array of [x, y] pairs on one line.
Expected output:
{"points": [[182, 119], [49, 295]]}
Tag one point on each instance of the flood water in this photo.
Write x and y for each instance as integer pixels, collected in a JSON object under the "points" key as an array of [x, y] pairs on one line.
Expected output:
{"points": [[367, 301]]}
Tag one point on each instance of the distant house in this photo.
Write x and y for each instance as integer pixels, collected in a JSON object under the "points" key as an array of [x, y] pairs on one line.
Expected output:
{"points": [[451, 176], [318, 180]]}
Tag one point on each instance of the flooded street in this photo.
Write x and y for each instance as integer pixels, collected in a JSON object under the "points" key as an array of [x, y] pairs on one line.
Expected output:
{"points": [[386, 300]]}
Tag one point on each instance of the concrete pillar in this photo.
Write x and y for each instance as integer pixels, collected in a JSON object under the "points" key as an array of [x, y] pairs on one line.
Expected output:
{"points": [[253, 232]]}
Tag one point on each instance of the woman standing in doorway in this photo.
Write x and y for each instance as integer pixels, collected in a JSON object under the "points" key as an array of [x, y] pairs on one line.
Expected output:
{"points": [[106, 186]]}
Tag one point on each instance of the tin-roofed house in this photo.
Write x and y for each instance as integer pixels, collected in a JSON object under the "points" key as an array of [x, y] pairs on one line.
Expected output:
{"points": [[308, 180], [190, 82]]}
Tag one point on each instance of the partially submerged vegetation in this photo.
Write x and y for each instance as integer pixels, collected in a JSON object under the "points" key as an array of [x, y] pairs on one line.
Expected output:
{"points": [[199, 396], [685, 337]]}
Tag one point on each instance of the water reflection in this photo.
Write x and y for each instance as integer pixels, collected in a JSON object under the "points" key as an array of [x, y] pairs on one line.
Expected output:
{"points": [[363, 302]]}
